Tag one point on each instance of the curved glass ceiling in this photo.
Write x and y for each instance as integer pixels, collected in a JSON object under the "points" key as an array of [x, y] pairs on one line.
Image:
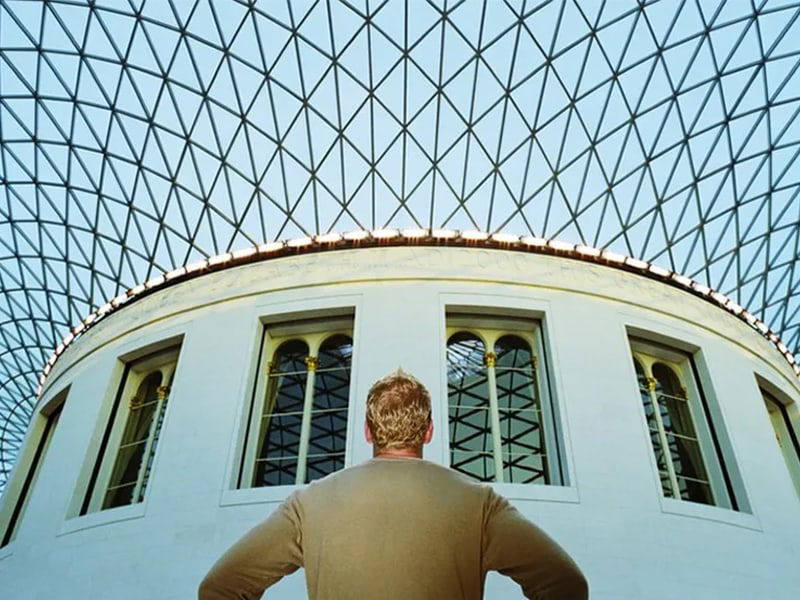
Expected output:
{"points": [[136, 137]]}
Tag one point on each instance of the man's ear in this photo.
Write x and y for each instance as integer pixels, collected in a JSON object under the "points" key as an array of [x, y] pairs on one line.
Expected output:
{"points": [[428, 433], [367, 433]]}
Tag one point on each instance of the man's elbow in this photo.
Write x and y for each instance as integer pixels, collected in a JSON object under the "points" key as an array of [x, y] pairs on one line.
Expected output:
{"points": [[559, 582], [576, 586], [565, 582], [210, 588]]}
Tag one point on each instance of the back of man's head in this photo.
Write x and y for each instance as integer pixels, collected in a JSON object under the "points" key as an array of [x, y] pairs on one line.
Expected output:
{"points": [[398, 412]]}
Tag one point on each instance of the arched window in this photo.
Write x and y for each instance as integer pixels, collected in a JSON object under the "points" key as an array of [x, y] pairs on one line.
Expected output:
{"points": [[684, 447], [644, 392], [326, 442], [144, 406], [282, 415], [302, 416], [29, 463], [786, 435], [471, 449], [672, 408], [652, 423], [521, 422], [499, 429], [121, 477]]}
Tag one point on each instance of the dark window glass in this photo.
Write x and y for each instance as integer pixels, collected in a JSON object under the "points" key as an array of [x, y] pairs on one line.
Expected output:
{"points": [[522, 434], [326, 444], [522, 437], [282, 416], [468, 406], [32, 475]]}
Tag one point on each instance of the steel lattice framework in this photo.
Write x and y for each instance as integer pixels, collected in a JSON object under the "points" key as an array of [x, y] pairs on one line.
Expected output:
{"points": [[136, 137]]}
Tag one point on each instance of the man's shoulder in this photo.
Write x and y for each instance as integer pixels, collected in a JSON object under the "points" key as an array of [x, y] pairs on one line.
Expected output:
{"points": [[374, 470]]}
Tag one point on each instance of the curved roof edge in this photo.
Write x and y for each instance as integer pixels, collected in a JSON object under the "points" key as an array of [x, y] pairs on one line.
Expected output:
{"points": [[414, 237]]}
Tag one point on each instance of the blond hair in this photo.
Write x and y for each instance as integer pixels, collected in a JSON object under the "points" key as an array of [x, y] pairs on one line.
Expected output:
{"points": [[398, 411]]}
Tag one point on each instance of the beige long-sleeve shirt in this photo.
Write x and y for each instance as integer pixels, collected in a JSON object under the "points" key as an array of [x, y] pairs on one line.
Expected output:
{"points": [[388, 528]]}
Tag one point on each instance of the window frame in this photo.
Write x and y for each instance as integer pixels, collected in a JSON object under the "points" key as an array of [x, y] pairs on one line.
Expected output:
{"points": [[146, 360], [490, 328], [782, 405], [31, 460], [683, 363], [314, 331]]}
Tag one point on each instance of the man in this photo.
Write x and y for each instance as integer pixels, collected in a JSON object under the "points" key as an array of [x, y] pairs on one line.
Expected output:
{"points": [[395, 526]]}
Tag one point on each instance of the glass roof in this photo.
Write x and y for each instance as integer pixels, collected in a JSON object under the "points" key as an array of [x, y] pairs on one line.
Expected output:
{"points": [[136, 137]]}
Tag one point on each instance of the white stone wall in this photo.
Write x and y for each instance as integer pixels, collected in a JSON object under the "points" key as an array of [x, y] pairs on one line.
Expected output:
{"points": [[631, 542]]}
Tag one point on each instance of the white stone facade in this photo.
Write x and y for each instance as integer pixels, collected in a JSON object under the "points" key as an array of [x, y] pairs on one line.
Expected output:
{"points": [[611, 515]]}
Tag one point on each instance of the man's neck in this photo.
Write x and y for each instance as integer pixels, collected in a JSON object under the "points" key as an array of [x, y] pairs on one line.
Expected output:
{"points": [[396, 452]]}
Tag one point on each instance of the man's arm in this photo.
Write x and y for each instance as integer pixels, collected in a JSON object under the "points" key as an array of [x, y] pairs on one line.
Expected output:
{"points": [[517, 548], [270, 550]]}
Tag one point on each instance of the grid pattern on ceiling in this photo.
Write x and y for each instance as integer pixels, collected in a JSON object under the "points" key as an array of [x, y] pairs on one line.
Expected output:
{"points": [[136, 137]]}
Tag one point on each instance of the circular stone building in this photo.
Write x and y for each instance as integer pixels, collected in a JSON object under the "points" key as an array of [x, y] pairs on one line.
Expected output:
{"points": [[631, 417], [575, 222]]}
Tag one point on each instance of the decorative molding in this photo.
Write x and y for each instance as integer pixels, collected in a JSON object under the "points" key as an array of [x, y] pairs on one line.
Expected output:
{"points": [[310, 248]]}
